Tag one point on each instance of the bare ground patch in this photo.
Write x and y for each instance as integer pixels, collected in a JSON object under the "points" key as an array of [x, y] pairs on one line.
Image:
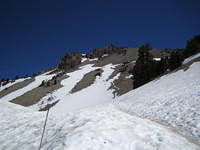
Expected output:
{"points": [[87, 80], [123, 84], [33, 96]]}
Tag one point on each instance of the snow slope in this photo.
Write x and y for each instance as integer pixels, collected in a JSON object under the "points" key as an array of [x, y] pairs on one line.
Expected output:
{"points": [[38, 80], [96, 93], [68, 84], [12, 83], [99, 128], [173, 99], [191, 58], [91, 119]]}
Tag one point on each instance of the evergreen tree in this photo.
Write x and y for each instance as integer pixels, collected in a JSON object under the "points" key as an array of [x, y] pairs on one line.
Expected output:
{"points": [[143, 70], [175, 60], [192, 47], [161, 66]]}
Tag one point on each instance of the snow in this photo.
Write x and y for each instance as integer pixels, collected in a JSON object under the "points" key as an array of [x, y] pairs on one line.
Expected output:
{"points": [[83, 59], [38, 80], [12, 83], [74, 101], [68, 84], [94, 59], [173, 99], [191, 58], [92, 119], [105, 55], [129, 76], [95, 94], [101, 128], [157, 59]]}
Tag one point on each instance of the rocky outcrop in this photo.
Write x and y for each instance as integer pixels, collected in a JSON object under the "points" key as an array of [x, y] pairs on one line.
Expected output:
{"points": [[110, 49], [69, 61]]}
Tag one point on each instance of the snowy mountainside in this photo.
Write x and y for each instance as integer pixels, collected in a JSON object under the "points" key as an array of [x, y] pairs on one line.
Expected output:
{"points": [[91, 118], [36, 97], [173, 99], [103, 127], [73, 101]]}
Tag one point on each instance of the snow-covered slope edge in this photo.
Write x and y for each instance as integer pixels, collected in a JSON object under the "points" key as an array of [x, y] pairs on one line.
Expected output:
{"points": [[100, 128], [191, 58], [12, 83], [173, 99], [38, 80]]}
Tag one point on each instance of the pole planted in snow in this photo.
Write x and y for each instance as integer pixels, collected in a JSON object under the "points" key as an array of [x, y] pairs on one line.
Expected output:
{"points": [[48, 107]]}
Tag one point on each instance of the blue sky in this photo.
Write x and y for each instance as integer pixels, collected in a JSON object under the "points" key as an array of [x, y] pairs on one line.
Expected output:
{"points": [[35, 34]]}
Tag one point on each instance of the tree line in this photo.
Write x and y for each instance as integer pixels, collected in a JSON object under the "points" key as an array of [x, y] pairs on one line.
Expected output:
{"points": [[147, 69]]}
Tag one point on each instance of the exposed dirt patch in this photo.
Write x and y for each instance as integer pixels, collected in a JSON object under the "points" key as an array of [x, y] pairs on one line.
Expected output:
{"points": [[87, 80], [124, 83], [33, 96], [115, 72], [16, 87]]}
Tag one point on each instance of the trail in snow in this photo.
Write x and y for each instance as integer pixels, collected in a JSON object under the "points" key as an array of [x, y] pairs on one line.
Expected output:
{"points": [[38, 80], [101, 128]]}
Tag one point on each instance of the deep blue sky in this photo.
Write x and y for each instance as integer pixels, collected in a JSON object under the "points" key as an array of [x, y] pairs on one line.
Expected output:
{"points": [[35, 34]]}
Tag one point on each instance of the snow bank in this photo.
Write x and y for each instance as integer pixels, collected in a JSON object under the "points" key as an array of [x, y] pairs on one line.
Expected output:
{"points": [[102, 128], [191, 58], [173, 99], [38, 80]]}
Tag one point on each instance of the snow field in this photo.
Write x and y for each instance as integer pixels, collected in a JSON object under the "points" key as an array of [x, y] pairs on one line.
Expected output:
{"points": [[173, 99], [101, 128]]}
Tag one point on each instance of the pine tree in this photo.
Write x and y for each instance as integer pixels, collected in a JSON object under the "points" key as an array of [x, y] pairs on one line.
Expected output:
{"points": [[192, 47], [175, 60], [143, 70]]}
